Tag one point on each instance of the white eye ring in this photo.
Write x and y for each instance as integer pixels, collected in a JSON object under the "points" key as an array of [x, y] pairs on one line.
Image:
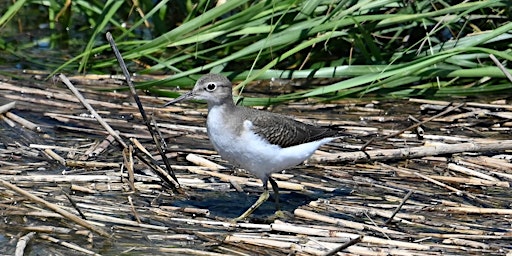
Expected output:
{"points": [[210, 87]]}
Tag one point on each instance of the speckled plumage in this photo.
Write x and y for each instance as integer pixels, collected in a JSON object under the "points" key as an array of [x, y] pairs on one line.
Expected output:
{"points": [[284, 131]]}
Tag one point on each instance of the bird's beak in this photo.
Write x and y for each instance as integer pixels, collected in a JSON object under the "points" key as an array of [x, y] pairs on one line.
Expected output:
{"points": [[186, 96]]}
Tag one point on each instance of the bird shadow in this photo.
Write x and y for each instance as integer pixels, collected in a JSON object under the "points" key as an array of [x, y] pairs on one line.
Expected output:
{"points": [[231, 204]]}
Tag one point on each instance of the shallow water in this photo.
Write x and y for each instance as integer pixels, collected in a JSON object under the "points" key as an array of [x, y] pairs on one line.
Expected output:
{"points": [[356, 185]]}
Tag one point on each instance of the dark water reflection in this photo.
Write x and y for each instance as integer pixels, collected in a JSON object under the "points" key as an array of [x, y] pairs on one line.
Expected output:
{"points": [[231, 204]]}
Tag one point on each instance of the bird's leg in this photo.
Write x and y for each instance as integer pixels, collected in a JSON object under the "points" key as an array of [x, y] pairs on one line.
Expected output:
{"points": [[264, 196], [276, 192]]}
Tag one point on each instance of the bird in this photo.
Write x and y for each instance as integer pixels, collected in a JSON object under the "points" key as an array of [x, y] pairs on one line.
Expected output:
{"points": [[258, 141]]}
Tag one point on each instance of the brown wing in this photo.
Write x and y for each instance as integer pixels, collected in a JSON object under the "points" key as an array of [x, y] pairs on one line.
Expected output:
{"points": [[283, 131]]}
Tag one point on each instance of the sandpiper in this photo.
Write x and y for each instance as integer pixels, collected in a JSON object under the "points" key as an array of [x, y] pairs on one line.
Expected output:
{"points": [[258, 141]]}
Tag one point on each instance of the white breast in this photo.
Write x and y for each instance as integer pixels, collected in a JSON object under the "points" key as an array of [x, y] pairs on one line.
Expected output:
{"points": [[250, 151]]}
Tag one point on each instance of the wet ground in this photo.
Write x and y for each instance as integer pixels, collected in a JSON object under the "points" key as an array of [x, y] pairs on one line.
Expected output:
{"points": [[197, 222]]}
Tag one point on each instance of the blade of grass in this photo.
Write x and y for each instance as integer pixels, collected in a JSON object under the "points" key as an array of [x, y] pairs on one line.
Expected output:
{"points": [[108, 13]]}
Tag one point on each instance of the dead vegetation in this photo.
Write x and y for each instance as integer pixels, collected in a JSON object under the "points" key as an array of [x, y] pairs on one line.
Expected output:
{"points": [[67, 186]]}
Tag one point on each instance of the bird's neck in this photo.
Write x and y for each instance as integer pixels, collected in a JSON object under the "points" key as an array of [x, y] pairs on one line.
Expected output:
{"points": [[223, 103]]}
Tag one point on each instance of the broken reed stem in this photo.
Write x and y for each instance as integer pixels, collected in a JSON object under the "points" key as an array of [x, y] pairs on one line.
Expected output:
{"points": [[106, 126], [22, 243], [501, 67], [93, 112], [448, 110], [128, 163], [75, 206], [153, 163], [24, 122], [151, 128], [344, 246], [415, 152], [399, 207], [6, 107], [201, 161], [477, 210], [55, 208], [319, 217], [68, 245], [324, 232], [133, 210]]}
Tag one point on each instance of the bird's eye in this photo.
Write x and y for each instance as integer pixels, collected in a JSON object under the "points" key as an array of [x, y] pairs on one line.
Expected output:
{"points": [[210, 87]]}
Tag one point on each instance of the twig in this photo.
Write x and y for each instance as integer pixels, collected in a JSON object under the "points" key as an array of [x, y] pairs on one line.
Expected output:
{"points": [[55, 156], [67, 244], [93, 112], [450, 109], [61, 178], [416, 152], [22, 243], [468, 104], [24, 122], [399, 207], [477, 210], [55, 208], [501, 67], [194, 211], [151, 128], [201, 161], [441, 184], [375, 224], [109, 129], [6, 107], [128, 163], [465, 170], [72, 202], [242, 180], [153, 163], [322, 232], [344, 246], [471, 181], [319, 217], [134, 211]]}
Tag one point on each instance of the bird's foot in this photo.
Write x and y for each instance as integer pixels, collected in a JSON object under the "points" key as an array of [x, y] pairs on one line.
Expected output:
{"points": [[264, 196], [280, 215]]}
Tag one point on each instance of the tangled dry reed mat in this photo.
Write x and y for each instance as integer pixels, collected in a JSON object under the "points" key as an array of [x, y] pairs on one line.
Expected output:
{"points": [[67, 188]]}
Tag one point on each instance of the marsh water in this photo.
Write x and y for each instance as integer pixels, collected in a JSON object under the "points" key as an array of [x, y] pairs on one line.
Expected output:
{"points": [[142, 221], [152, 227]]}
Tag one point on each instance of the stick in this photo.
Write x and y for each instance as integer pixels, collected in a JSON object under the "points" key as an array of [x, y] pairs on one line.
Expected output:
{"points": [[61, 178], [501, 67], [201, 161], [22, 243], [7, 107], [416, 152], [153, 163], [158, 140], [448, 110], [399, 207], [109, 129], [245, 181], [54, 208], [477, 210], [465, 170], [128, 163], [24, 122], [469, 104], [67, 244], [318, 217], [344, 246], [93, 112]]}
